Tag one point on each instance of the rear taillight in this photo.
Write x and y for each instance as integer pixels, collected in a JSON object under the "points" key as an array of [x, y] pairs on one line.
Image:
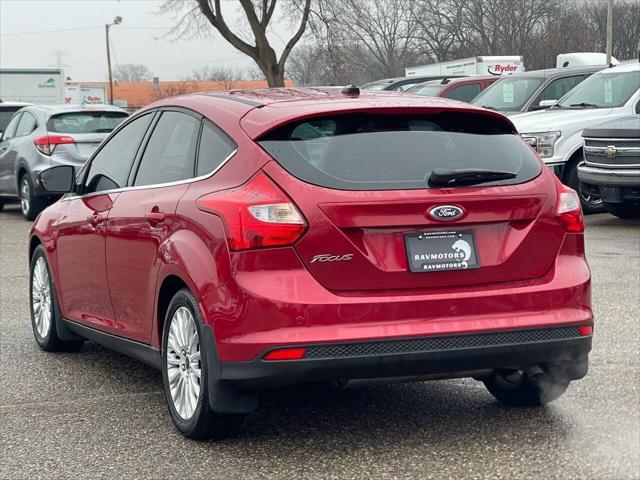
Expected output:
{"points": [[568, 209], [48, 144], [257, 214]]}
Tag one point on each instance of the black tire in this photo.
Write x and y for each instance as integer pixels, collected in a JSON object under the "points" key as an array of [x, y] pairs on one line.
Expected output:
{"points": [[520, 389], [1, 204], [30, 205], [590, 203], [622, 210], [204, 423], [48, 339]]}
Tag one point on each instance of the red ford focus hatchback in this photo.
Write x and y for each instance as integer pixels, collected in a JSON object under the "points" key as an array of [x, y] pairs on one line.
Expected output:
{"points": [[256, 239]]}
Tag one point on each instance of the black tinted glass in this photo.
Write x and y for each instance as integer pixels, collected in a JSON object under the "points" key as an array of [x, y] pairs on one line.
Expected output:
{"points": [[464, 93], [388, 152], [170, 153], [112, 164], [85, 122], [215, 147], [5, 116]]}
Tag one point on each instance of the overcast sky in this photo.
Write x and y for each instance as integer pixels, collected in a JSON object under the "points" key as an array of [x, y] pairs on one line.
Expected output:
{"points": [[24, 43]]}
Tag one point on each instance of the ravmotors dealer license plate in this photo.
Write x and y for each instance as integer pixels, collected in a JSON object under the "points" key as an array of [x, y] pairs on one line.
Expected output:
{"points": [[441, 251]]}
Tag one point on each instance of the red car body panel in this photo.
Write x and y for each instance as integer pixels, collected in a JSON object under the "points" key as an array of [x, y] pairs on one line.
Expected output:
{"points": [[110, 275]]}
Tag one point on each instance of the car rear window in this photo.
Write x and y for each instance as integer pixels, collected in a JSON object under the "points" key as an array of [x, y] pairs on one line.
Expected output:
{"points": [[85, 122], [390, 152]]}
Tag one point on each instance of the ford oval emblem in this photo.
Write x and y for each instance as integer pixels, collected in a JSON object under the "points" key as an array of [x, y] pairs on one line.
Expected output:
{"points": [[446, 213]]}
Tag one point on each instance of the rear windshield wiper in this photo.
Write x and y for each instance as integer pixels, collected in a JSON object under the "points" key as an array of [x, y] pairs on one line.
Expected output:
{"points": [[442, 177], [585, 105]]}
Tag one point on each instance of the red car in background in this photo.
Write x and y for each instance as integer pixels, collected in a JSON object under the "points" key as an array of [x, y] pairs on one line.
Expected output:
{"points": [[463, 89], [254, 239]]}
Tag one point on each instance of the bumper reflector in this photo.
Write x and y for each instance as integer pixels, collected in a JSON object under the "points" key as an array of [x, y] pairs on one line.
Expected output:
{"points": [[585, 330], [286, 354]]}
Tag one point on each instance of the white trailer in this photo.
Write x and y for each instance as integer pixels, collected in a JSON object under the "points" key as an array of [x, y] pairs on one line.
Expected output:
{"points": [[484, 65], [85, 93], [42, 86]]}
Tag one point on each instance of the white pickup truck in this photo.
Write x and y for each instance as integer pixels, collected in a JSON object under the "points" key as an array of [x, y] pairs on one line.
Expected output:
{"points": [[556, 133]]}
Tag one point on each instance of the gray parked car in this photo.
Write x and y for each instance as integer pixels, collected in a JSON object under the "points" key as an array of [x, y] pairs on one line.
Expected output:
{"points": [[39, 137], [534, 90]]}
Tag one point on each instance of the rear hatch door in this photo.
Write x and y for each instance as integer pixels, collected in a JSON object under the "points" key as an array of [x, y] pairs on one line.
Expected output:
{"points": [[376, 222]]}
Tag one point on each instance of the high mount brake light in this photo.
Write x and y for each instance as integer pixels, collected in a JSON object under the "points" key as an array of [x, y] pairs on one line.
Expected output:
{"points": [[568, 209], [47, 145], [257, 214]]}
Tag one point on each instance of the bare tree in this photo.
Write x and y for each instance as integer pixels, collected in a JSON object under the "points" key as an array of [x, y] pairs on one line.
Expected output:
{"points": [[378, 32], [132, 72], [174, 89], [258, 15], [227, 77]]}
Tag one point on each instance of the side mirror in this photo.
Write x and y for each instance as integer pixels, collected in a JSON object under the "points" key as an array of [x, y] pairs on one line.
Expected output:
{"points": [[545, 104], [60, 179]]}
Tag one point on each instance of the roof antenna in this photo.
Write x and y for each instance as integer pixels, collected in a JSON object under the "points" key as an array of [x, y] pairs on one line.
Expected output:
{"points": [[351, 90]]}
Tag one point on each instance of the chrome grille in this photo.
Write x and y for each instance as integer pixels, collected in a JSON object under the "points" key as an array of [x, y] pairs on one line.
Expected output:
{"points": [[612, 152]]}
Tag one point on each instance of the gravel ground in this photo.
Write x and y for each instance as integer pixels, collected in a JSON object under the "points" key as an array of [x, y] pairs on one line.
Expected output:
{"points": [[98, 414]]}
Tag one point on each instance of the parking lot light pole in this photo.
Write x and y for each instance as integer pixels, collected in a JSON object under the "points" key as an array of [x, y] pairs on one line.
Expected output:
{"points": [[116, 21], [609, 31]]}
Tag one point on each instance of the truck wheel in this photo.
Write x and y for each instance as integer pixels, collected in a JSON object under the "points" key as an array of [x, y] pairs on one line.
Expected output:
{"points": [[590, 203], [621, 210], [521, 389]]}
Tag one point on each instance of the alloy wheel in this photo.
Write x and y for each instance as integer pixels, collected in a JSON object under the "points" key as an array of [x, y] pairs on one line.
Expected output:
{"points": [[41, 297], [183, 362], [25, 194]]}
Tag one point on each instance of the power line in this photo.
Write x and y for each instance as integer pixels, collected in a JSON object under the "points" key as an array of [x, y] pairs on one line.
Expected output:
{"points": [[62, 30]]}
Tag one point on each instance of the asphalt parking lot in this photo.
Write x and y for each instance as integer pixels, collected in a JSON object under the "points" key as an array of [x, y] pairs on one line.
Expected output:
{"points": [[98, 414]]}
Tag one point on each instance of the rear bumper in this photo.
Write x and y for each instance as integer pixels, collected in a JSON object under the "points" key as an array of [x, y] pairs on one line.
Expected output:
{"points": [[444, 356]]}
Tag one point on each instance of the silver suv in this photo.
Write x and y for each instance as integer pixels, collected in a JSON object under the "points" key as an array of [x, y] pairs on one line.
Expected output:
{"points": [[39, 137]]}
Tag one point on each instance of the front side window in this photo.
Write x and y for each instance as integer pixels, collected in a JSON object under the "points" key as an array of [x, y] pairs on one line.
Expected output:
{"points": [[605, 89], [558, 88], [464, 93], [110, 167], [10, 131], [27, 125], [170, 153], [5, 116], [215, 148], [508, 94], [396, 152]]}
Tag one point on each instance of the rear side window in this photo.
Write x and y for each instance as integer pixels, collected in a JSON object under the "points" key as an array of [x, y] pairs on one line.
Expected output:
{"points": [[170, 153], [27, 125], [464, 93], [110, 167], [389, 152], [215, 148], [85, 122]]}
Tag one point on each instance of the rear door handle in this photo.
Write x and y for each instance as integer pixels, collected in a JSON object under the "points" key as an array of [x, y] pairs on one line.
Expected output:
{"points": [[154, 217], [95, 219], [4, 148]]}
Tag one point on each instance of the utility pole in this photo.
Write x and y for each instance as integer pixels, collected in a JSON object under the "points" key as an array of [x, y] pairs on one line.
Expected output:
{"points": [[116, 21], [609, 31]]}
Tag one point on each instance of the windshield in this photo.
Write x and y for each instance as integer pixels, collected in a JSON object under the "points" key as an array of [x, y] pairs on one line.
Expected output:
{"points": [[85, 122], [508, 94], [602, 90], [375, 85], [391, 152], [429, 90]]}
